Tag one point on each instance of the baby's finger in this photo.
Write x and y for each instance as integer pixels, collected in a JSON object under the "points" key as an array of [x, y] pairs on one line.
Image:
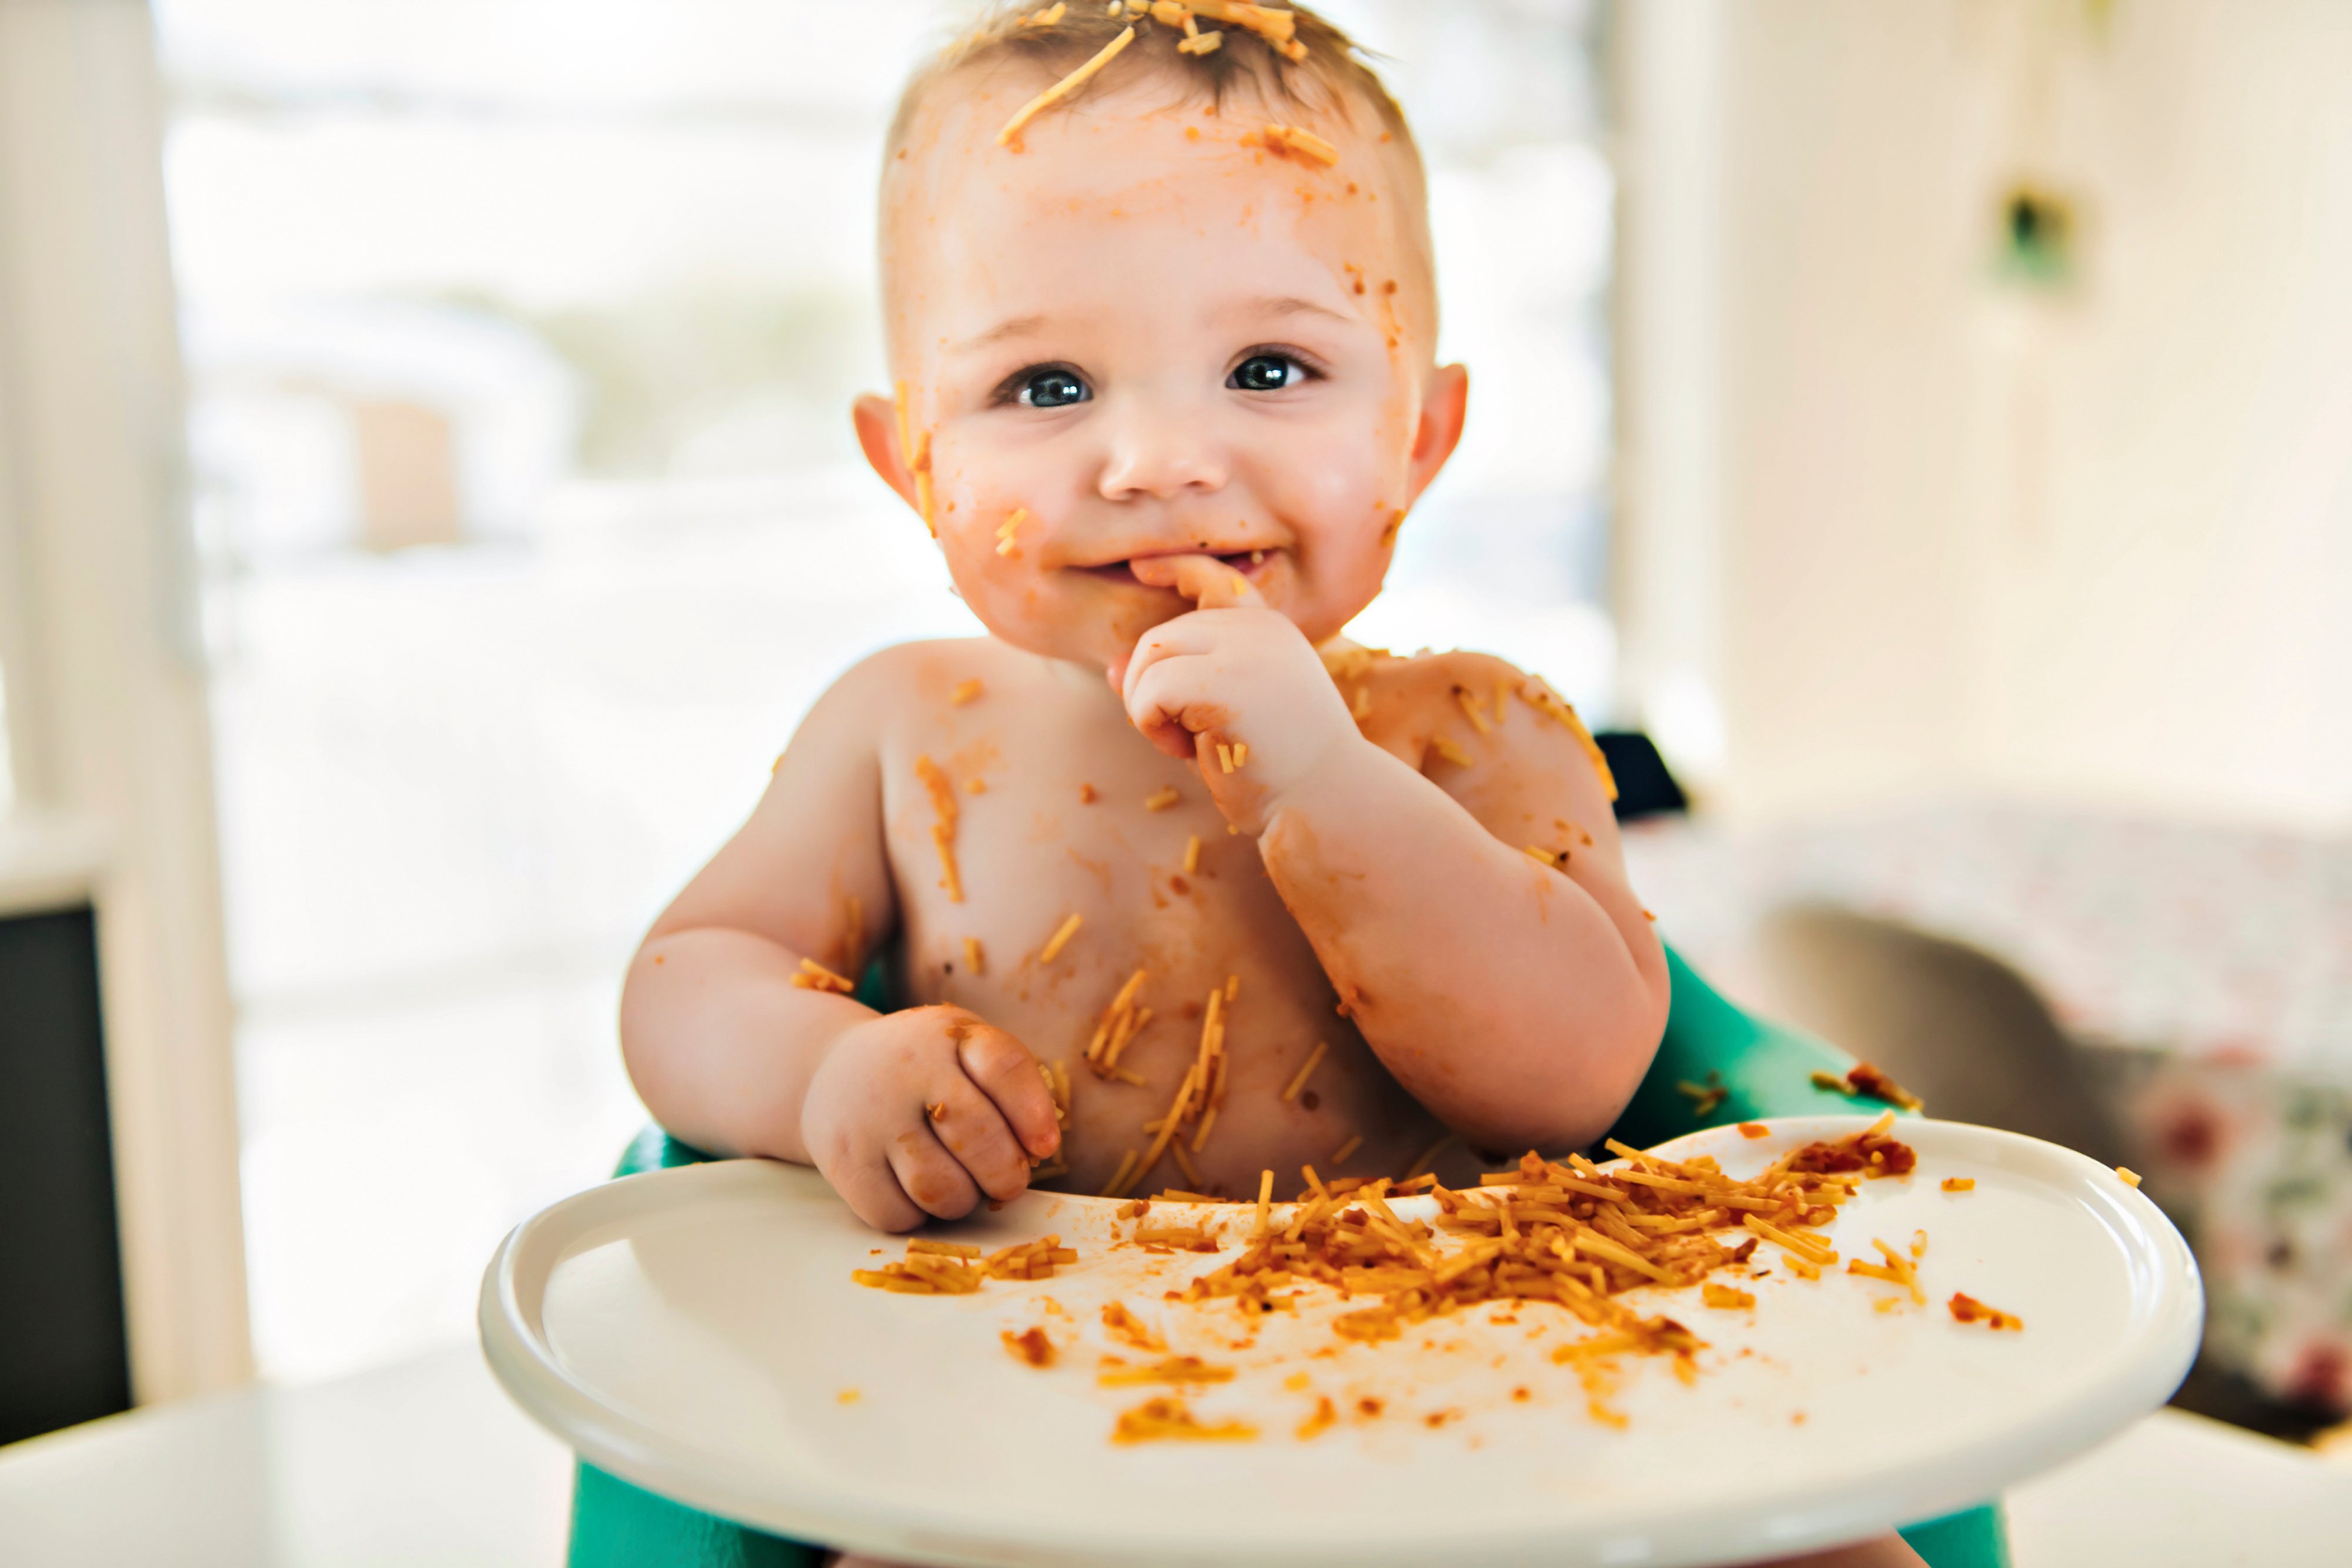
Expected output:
{"points": [[1202, 579], [930, 1175], [872, 1191], [1002, 1068], [974, 1131], [1170, 707], [1191, 633]]}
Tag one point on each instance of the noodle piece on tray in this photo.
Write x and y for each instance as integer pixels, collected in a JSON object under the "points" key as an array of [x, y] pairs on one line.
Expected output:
{"points": [[1165, 1418], [951, 1268]]}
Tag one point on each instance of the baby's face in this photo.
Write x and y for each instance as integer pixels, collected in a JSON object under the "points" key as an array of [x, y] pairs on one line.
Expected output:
{"points": [[1155, 340]]}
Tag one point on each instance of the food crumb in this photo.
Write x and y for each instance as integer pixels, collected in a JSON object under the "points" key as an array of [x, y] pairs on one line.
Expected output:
{"points": [[1449, 749], [2131, 1177], [1704, 1098], [1030, 1346], [1754, 1130], [1959, 1184], [964, 692], [1967, 1309], [1085, 794], [1165, 1418], [1060, 939], [1867, 1082]]}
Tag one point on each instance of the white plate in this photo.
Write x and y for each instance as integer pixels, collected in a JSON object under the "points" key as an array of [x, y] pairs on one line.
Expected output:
{"points": [[696, 1330]]}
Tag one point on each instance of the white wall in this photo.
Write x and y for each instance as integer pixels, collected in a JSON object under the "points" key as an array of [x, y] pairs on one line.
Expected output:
{"points": [[2091, 544]]}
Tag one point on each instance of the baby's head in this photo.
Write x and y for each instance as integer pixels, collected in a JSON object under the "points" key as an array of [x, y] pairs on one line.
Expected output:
{"points": [[1189, 308]]}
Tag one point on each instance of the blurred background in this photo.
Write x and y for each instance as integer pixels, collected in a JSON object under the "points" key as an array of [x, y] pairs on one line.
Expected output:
{"points": [[427, 503]]}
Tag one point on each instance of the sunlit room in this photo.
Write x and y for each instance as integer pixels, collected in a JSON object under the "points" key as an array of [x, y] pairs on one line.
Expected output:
{"points": [[1731, 682]]}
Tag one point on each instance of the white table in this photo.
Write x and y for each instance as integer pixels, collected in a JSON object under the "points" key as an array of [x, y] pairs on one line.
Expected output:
{"points": [[422, 1463], [427, 1464]]}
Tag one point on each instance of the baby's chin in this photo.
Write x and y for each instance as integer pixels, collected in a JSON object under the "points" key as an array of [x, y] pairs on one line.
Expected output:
{"points": [[1094, 642]]}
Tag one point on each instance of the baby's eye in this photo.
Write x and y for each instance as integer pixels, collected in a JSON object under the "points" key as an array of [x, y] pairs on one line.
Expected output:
{"points": [[1056, 386], [1267, 372]]}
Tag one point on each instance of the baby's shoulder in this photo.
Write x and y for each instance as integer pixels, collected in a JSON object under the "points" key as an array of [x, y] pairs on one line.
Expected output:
{"points": [[1459, 707], [925, 676], [1429, 683], [931, 694], [1443, 671]]}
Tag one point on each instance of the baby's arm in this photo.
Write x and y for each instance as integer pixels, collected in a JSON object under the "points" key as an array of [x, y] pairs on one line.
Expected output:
{"points": [[907, 1114], [1521, 1003]]}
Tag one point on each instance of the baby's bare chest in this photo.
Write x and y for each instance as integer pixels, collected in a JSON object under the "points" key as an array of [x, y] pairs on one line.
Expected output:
{"points": [[1065, 880], [1037, 872]]}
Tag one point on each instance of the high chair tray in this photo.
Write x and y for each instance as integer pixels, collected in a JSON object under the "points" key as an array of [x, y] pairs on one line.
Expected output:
{"points": [[697, 1331]]}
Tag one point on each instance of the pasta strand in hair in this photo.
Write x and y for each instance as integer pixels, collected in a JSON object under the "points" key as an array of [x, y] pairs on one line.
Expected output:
{"points": [[1063, 88]]}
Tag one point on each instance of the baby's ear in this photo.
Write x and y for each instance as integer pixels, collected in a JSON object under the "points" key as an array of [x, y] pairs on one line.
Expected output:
{"points": [[1444, 405], [877, 418]]}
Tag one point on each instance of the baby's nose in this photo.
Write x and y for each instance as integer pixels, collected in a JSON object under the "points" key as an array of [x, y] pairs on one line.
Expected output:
{"points": [[1159, 454]]}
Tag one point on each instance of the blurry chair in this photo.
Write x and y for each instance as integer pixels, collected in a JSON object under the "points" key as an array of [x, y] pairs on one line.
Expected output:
{"points": [[1957, 1027], [1645, 786]]}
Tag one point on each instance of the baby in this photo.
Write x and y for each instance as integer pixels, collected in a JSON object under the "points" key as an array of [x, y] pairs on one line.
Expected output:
{"points": [[1174, 888], [1167, 391]]}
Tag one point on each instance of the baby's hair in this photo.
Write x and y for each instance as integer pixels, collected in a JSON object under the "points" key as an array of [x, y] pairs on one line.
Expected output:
{"points": [[1284, 61], [1321, 75]]}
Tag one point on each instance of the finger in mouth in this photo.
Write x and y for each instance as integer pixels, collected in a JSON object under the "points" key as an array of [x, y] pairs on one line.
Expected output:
{"points": [[1248, 562]]}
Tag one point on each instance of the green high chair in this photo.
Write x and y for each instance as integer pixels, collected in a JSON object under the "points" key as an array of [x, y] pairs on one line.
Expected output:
{"points": [[1763, 1069]]}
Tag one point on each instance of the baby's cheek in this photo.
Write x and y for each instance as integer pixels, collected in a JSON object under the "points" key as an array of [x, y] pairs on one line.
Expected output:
{"points": [[1012, 594], [1005, 591], [1353, 478]]}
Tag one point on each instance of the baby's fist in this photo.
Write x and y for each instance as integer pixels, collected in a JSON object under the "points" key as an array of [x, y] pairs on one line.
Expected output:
{"points": [[923, 1112], [1233, 685]]}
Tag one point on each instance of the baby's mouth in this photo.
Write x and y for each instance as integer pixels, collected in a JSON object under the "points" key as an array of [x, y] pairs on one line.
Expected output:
{"points": [[1250, 563]]}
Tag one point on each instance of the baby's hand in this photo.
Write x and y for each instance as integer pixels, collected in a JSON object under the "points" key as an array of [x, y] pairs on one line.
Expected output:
{"points": [[1233, 673], [921, 1112]]}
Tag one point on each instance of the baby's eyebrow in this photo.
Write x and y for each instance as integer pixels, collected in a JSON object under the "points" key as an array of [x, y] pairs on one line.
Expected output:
{"points": [[1016, 326], [1274, 305], [1286, 305]]}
